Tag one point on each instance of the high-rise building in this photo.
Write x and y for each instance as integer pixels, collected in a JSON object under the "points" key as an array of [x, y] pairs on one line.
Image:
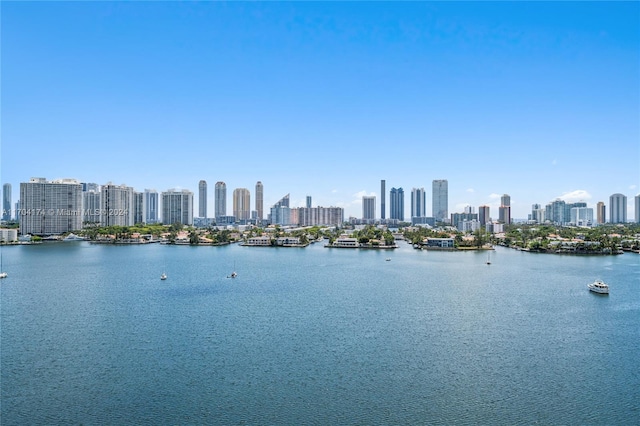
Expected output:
{"points": [[6, 202], [537, 213], [116, 205], [484, 214], [259, 200], [383, 202], [440, 200], [504, 212], [601, 211], [202, 199], [138, 207], [221, 200], [150, 206], [308, 201], [49, 208], [369, 207], [241, 204], [323, 216], [418, 202], [177, 207], [396, 198], [618, 208], [280, 213], [637, 208], [581, 216], [91, 205], [283, 202], [556, 212], [458, 219], [90, 186]]}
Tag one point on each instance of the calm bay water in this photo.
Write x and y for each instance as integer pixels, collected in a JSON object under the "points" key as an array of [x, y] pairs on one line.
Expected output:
{"points": [[91, 335]]}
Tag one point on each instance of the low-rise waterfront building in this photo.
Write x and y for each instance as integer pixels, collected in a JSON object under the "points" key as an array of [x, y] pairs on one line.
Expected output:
{"points": [[8, 235], [346, 242], [288, 241], [260, 241], [447, 243]]}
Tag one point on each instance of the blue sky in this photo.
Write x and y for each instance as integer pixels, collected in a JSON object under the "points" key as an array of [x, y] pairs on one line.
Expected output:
{"points": [[537, 100]]}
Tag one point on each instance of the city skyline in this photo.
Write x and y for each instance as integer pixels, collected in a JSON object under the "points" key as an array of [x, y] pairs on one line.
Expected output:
{"points": [[310, 99], [620, 212], [59, 206]]}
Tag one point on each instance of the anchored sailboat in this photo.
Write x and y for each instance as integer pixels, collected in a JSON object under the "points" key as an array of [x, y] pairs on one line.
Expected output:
{"points": [[234, 273], [2, 273]]}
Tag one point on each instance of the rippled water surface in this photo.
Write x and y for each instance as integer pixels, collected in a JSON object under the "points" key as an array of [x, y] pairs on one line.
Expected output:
{"points": [[91, 335]]}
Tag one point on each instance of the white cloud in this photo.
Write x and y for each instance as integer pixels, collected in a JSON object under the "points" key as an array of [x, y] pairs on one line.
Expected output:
{"points": [[494, 196], [471, 190], [633, 186], [334, 191], [577, 195]]}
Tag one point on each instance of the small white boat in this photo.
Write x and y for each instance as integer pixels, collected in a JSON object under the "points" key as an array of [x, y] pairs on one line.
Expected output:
{"points": [[2, 274], [73, 237], [163, 276], [598, 286]]}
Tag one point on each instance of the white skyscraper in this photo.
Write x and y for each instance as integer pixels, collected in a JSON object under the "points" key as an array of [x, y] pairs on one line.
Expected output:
{"points": [[618, 208], [581, 216], [177, 207], [91, 205], [116, 205], [49, 208], [637, 208], [369, 207]]}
